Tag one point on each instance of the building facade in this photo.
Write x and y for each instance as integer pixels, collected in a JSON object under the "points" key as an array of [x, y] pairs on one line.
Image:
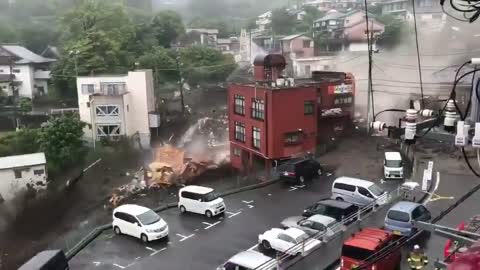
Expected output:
{"points": [[28, 72], [429, 12], [18, 173], [278, 118], [115, 106]]}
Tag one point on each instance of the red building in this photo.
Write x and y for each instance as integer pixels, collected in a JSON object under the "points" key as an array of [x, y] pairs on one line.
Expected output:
{"points": [[277, 118]]}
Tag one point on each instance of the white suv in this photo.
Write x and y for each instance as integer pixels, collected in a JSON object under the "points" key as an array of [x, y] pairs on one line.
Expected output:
{"points": [[139, 222], [200, 200]]}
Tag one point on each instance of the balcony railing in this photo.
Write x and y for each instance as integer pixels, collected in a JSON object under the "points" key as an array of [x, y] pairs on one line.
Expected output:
{"points": [[42, 74], [112, 89]]}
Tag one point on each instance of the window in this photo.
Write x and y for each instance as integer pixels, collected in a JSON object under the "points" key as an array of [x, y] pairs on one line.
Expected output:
{"points": [[286, 238], [356, 253], [239, 131], [318, 226], [108, 130], [256, 137], [258, 109], [399, 216], [364, 192], [113, 89], [239, 104], [18, 174], [376, 190], [38, 172], [344, 187], [16, 70], [87, 89], [306, 44], [292, 138], [237, 152], [309, 107], [106, 110]]}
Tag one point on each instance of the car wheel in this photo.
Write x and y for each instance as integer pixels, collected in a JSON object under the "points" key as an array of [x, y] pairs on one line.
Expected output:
{"points": [[266, 245], [117, 230], [182, 209], [301, 180], [144, 238], [208, 213], [339, 199]]}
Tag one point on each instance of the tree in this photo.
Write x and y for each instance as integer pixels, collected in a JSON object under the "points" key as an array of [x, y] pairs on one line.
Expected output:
{"points": [[162, 62], [61, 140], [201, 64], [167, 26], [283, 23], [21, 142], [312, 14], [394, 31]]}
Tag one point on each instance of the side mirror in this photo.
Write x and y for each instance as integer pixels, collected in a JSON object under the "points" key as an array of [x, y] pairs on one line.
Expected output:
{"points": [[200, 200], [138, 224]]}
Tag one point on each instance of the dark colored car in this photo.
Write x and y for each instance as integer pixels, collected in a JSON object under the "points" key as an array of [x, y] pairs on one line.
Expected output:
{"points": [[336, 209], [47, 260], [299, 170]]}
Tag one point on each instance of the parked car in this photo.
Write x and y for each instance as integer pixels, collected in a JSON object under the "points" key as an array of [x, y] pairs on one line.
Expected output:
{"points": [[48, 259], [364, 244], [285, 240], [332, 208], [400, 217], [200, 200], [299, 170], [248, 260], [393, 166], [139, 222], [357, 191], [321, 226]]}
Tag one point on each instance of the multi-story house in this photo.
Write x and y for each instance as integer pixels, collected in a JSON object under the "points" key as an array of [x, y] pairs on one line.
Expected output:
{"points": [[346, 31], [27, 71], [114, 106], [341, 5], [201, 36], [427, 11], [277, 118]]}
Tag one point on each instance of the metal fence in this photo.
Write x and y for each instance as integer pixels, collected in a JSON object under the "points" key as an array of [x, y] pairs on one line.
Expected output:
{"points": [[284, 259]]}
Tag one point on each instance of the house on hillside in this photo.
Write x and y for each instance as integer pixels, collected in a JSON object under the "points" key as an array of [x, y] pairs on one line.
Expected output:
{"points": [[201, 36], [51, 52], [342, 5], [19, 173], [264, 20], [118, 105], [27, 71], [429, 12], [346, 31]]}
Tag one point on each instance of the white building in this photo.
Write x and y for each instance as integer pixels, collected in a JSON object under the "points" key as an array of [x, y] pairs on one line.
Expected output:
{"points": [[264, 20], [115, 106], [29, 71], [17, 173], [206, 36]]}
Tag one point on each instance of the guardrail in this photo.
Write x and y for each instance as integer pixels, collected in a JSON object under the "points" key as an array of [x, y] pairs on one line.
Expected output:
{"points": [[337, 229]]}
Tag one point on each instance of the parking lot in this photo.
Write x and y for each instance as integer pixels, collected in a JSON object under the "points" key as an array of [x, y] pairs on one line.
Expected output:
{"points": [[196, 242]]}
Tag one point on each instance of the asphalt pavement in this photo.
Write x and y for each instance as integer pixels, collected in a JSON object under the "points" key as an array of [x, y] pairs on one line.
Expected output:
{"points": [[196, 242]]}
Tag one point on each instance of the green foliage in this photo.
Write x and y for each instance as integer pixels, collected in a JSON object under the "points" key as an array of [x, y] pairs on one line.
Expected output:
{"points": [[282, 22], [19, 143], [225, 29], [162, 62], [201, 64], [167, 26], [61, 141], [25, 104], [395, 30]]}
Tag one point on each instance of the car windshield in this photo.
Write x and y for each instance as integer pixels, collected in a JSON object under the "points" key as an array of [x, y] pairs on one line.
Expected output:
{"points": [[356, 253], [393, 163], [302, 237], [148, 217], [376, 190], [210, 196], [398, 216]]}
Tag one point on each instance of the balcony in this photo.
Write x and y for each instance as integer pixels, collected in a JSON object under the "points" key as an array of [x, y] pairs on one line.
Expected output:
{"points": [[41, 75], [112, 89]]}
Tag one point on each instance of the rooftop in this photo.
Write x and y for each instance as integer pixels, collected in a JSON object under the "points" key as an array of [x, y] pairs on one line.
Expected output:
{"points": [[249, 259], [405, 206], [27, 160], [202, 30], [293, 36], [335, 203], [26, 56], [132, 209], [369, 238], [322, 219], [393, 156], [197, 189]]}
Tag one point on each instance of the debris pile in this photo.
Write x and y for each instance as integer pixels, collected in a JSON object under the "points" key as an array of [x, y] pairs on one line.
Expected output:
{"points": [[135, 186]]}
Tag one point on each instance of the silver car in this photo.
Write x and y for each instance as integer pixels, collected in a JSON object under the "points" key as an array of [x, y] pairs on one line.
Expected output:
{"points": [[318, 225]]}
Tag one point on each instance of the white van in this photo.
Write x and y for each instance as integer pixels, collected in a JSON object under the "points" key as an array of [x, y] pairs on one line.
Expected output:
{"points": [[200, 200], [393, 165], [357, 191], [249, 260]]}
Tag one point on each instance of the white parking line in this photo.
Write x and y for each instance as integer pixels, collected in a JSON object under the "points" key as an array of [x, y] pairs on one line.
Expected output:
{"points": [[96, 263], [269, 194], [151, 249], [119, 266], [137, 258], [252, 248], [210, 225], [247, 202], [233, 214], [292, 188], [250, 206], [158, 251], [185, 237]]}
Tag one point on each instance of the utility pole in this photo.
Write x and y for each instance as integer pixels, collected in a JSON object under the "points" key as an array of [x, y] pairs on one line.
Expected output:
{"points": [[369, 92], [180, 80], [14, 92]]}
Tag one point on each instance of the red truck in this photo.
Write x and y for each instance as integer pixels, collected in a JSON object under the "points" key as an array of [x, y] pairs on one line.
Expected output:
{"points": [[363, 244]]}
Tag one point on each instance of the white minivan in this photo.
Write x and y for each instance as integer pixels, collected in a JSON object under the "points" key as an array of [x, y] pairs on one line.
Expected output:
{"points": [[249, 260], [357, 191], [200, 200], [393, 166], [139, 222]]}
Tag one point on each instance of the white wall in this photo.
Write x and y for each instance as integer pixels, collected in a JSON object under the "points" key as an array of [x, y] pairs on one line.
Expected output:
{"points": [[25, 89], [316, 64], [10, 187]]}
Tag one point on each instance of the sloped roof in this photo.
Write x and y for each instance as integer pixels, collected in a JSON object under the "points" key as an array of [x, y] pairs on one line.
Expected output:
{"points": [[332, 15], [26, 56], [22, 161], [292, 37]]}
